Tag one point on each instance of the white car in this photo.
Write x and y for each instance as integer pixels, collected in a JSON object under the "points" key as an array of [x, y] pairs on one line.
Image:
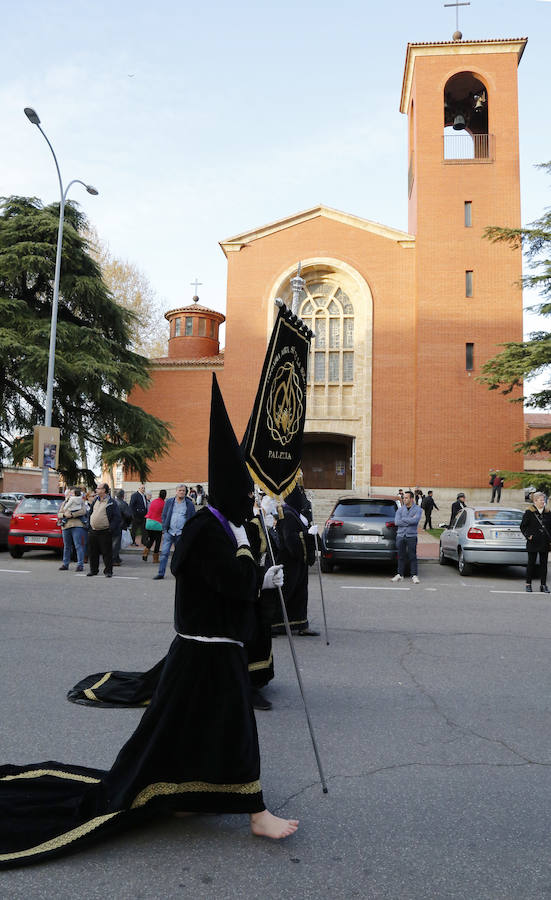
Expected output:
{"points": [[483, 535]]}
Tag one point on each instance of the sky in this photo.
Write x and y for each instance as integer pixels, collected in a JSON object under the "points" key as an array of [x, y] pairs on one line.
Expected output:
{"points": [[197, 121]]}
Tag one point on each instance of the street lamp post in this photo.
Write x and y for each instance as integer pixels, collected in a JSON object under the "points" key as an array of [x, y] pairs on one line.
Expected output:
{"points": [[33, 117]]}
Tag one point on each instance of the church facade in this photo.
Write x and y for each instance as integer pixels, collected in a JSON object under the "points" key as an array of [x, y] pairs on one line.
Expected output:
{"points": [[403, 321]]}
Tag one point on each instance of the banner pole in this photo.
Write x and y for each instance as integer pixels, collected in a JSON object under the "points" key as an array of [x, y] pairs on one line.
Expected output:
{"points": [[320, 579], [295, 660]]}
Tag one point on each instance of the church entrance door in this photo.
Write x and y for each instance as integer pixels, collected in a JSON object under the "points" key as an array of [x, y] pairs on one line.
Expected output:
{"points": [[327, 462]]}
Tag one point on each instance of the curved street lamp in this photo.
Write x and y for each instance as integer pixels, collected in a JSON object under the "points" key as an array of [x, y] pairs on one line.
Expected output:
{"points": [[34, 119]]}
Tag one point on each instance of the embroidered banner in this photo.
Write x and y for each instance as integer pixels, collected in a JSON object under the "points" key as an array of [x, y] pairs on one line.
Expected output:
{"points": [[273, 441]]}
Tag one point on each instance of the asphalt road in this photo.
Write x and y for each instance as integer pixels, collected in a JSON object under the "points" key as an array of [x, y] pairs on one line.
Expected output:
{"points": [[431, 709]]}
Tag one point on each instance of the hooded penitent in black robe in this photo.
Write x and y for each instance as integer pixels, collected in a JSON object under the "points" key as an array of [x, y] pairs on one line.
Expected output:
{"points": [[196, 747], [127, 689], [295, 553]]}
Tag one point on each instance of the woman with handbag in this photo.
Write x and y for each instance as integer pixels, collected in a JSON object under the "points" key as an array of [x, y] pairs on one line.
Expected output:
{"points": [[154, 527], [536, 528]]}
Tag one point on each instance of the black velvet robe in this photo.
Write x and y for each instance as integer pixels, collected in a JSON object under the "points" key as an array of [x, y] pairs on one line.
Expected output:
{"points": [[196, 746], [293, 539], [129, 689]]}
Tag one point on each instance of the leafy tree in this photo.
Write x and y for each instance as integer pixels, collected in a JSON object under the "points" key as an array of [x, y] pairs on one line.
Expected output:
{"points": [[131, 288], [95, 366], [525, 359]]}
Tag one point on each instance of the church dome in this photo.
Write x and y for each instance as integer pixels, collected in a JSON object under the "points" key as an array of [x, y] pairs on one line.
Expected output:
{"points": [[193, 331]]}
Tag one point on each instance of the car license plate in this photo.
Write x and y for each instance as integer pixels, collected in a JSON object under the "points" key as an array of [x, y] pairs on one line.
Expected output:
{"points": [[361, 538], [507, 535], [35, 539]]}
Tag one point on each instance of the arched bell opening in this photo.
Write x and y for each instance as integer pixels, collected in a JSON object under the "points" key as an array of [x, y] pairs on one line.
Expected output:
{"points": [[466, 118]]}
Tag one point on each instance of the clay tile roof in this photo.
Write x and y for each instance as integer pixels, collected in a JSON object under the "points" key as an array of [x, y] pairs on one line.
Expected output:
{"points": [[201, 362], [194, 307]]}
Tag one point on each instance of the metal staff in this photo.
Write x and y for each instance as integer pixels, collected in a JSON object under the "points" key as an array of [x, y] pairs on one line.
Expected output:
{"points": [[321, 586], [295, 660]]}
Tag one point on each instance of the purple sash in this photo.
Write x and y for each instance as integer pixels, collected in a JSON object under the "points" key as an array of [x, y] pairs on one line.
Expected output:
{"points": [[224, 523]]}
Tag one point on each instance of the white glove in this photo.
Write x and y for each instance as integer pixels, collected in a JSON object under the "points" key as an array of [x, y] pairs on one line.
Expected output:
{"points": [[313, 529], [273, 578], [240, 534]]}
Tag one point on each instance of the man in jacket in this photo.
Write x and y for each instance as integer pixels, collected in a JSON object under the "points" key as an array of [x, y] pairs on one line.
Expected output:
{"points": [[428, 505], [536, 528], [105, 521], [126, 519], [407, 520], [176, 512], [138, 508], [457, 506]]}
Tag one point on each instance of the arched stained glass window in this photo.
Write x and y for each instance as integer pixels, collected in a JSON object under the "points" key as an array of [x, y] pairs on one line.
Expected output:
{"points": [[327, 310]]}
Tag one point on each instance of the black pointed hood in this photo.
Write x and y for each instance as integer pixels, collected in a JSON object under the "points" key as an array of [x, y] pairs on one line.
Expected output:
{"points": [[229, 481]]}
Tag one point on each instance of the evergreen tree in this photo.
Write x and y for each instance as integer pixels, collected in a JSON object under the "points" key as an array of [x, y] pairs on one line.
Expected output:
{"points": [[95, 367], [524, 359]]}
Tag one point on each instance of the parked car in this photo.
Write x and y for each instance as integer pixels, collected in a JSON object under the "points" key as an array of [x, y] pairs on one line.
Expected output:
{"points": [[483, 535], [5, 519], [359, 529], [34, 524]]}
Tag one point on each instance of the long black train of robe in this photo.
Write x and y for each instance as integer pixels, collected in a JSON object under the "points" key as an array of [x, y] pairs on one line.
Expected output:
{"points": [[196, 746], [293, 554], [128, 689]]}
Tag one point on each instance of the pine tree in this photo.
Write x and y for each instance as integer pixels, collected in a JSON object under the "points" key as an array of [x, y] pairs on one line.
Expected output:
{"points": [[524, 359], [95, 367]]}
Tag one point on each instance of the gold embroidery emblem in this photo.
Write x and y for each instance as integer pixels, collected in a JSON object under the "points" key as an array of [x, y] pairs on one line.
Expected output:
{"points": [[285, 404]]}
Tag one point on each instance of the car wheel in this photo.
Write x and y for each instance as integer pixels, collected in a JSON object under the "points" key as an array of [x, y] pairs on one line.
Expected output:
{"points": [[325, 565], [443, 560], [465, 568], [16, 552]]}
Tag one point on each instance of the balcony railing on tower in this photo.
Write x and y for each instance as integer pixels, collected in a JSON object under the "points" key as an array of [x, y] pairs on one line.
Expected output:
{"points": [[468, 148]]}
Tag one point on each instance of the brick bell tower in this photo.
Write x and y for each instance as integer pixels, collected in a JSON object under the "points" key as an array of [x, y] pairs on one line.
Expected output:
{"points": [[462, 105]]}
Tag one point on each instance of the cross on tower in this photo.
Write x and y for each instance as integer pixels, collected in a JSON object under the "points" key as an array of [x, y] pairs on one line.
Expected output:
{"points": [[195, 284], [457, 5]]}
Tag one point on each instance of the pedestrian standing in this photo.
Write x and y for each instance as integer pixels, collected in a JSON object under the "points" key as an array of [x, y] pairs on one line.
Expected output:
{"points": [[428, 505], [151, 538], [72, 515], [536, 528], [104, 523], [457, 506], [126, 519], [138, 508], [497, 484], [176, 512], [407, 520]]}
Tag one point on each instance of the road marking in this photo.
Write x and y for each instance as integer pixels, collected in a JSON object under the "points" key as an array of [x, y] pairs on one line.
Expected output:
{"points": [[430, 589], [17, 571], [368, 587], [516, 592], [120, 577]]}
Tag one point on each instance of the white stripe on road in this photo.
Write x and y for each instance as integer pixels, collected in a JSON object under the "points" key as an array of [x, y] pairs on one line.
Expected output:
{"points": [[517, 592], [368, 587], [120, 577], [17, 571]]}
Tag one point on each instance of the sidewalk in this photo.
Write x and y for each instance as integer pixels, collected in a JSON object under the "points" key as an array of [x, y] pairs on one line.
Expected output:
{"points": [[427, 545]]}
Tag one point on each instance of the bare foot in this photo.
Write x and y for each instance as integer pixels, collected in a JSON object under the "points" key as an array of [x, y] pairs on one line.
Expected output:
{"points": [[264, 824]]}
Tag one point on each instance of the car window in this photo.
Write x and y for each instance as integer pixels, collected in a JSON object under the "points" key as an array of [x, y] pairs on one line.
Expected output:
{"points": [[460, 521], [40, 505], [498, 516], [359, 508]]}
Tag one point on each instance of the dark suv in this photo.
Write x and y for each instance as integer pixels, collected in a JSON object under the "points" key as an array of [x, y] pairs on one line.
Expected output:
{"points": [[359, 529]]}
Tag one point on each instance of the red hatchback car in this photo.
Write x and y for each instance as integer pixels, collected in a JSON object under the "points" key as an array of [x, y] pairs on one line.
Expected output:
{"points": [[34, 524]]}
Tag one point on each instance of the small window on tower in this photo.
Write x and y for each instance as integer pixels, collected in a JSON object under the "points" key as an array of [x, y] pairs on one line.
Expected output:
{"points": [[468, 283], [202, 327], [469, 357], [468, 214], [212, 328], [189, 325], [176, 327]]}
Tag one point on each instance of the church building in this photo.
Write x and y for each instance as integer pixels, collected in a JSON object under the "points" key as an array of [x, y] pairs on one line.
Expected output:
{"points": [[403, 321]]}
